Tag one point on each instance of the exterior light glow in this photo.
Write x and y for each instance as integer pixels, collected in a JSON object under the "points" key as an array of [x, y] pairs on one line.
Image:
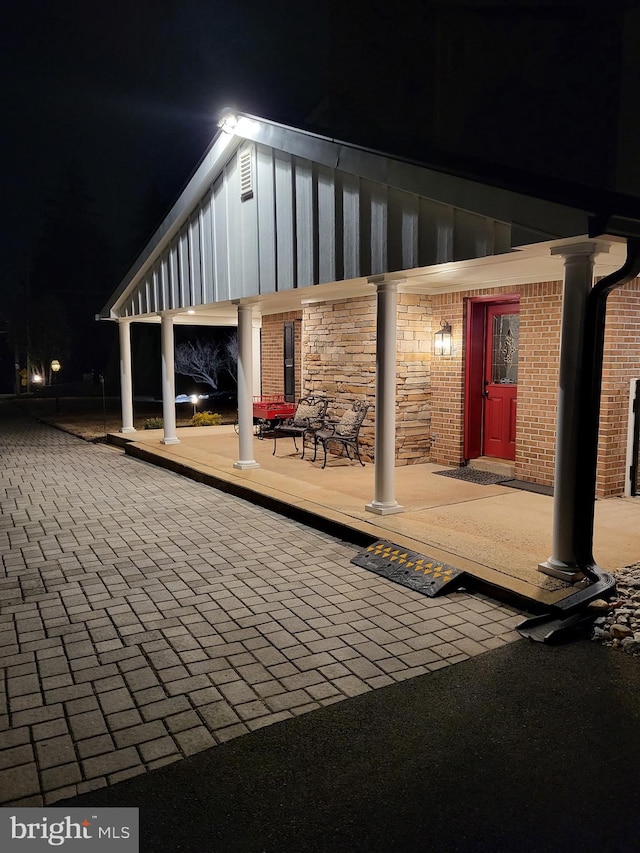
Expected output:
{"points": [[442, 339], [36, 378], [228, 121], [55, 365]]}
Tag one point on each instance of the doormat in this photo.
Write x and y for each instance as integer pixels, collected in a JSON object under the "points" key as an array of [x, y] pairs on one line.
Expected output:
{"points": [[472, 475], [408, 568], [536, 488]]}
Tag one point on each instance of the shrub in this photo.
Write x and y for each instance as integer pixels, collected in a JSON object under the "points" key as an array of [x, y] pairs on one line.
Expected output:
{"points": [[206, 419], [154, 423]]}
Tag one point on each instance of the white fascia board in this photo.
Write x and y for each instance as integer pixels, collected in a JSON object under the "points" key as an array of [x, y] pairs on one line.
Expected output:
{"points": [[217, 155]]}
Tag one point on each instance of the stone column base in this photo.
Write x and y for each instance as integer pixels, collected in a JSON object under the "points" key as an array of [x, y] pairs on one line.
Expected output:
{"points": [[243, 464], [556, 569], [381, 508]]}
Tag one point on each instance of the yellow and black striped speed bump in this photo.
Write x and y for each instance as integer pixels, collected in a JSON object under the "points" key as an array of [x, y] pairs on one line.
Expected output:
{"points": [[409, 568]]}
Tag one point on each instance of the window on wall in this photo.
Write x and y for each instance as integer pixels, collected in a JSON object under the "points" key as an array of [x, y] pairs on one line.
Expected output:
{"points": [[289, 362]]}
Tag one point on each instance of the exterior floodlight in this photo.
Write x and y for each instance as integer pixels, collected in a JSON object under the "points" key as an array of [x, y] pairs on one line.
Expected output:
{"points": [[55, 365], [36, 378], [442, 339], [228, 121]]}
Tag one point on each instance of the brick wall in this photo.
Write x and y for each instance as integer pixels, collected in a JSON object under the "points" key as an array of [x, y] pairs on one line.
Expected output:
{"points": [[538, 375], [540, 323], [338, 342], [540, 307], [273, 351], [621, 364], [447, 383]]}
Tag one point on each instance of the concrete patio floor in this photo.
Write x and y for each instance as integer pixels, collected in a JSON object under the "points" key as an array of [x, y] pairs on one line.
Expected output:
{"points": [[496, 534]]}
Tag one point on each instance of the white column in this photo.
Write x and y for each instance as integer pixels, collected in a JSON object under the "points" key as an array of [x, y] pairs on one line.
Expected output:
{"points": [[245, 388], [578, 281], [126, 381], [384, 502], [168, 381]]}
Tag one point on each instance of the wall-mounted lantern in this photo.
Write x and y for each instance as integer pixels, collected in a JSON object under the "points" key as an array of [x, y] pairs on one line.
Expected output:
{"points": [[442, 339]]}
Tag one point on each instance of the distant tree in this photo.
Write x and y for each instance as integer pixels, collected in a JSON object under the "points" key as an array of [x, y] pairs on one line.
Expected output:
{"points": [[201, 360], [38, 330], [204, 361], [231, 356], [49, 335], [72, 261]]}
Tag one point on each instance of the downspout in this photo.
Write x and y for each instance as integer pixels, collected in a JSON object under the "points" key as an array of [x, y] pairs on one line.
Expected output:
{"points": [[572, 613], [589, 408]]}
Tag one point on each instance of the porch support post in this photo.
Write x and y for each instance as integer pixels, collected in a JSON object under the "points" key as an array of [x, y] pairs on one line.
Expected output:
{"points": [[384, 502], [578, 281], [245, 388], [168, 381], [126, 382]]}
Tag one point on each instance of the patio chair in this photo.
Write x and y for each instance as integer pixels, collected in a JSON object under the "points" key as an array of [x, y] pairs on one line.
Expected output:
{"points": [[309, 417], [344, 432]]}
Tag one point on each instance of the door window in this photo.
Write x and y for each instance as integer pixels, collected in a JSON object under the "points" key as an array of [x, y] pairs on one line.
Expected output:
{"points": [[504, 354]]}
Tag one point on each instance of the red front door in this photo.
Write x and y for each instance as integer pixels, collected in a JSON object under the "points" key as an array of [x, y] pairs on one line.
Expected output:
{"points": [[500, 380]]}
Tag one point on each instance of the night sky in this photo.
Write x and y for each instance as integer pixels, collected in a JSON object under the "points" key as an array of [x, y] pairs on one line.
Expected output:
{"points": [[127, 93]]}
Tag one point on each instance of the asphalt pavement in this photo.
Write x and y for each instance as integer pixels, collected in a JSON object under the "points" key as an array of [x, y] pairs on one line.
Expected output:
{"points": [[525, 748]]}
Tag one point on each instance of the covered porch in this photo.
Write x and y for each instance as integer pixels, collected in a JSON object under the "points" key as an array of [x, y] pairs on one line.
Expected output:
{"points": [[277, 221], [496, 534]]}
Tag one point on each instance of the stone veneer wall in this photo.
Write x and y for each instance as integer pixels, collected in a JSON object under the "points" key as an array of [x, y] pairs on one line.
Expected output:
{"points": [[339, 342], [273, 352]]}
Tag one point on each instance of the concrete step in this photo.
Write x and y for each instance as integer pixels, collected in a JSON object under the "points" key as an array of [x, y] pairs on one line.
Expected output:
{"points": [[493, 465]]}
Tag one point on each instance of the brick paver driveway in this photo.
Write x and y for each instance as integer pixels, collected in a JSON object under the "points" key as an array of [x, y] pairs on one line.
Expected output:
{"points": [[145, 617]]}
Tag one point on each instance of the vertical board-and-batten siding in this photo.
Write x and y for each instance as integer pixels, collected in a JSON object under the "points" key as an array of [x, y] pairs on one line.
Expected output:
{"points": [[302, 223]]}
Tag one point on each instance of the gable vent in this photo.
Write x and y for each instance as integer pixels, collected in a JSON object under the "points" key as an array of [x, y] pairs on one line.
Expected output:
{"points": [[246, 174]]}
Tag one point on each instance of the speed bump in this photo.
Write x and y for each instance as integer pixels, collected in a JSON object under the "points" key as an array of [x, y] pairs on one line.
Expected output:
{"points": [[409, 568]]}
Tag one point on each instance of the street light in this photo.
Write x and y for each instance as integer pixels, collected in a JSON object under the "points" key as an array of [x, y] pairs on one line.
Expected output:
{"points": [[55, 367]]}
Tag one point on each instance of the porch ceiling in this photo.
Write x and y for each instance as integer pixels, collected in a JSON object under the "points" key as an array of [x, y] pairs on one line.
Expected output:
{"points": [[528, 264]]}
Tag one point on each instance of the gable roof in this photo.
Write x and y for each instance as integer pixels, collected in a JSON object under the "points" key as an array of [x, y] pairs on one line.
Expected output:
{"points": [[273, 208]]}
